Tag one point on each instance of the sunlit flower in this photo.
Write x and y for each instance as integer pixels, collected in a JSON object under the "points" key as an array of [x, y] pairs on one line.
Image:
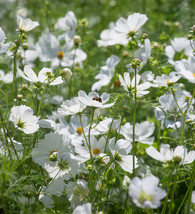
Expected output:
{"points": [[145, 192], [43, 76], [165, 80], [94, 100], [84, 209], [49, 150], [23, 119], [71, 107], [26, 24], [120, 151], [3, 47], [179, 49], [143, 132], [177, 155], [186, 68], [106, 73]]}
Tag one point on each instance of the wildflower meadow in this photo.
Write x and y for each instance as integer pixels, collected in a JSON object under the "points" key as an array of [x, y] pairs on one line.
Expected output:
{"points": [[97, 106]]}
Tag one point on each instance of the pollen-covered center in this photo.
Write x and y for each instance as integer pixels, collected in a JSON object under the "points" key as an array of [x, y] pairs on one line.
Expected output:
{"points": [[60, 54], [79, 130], [131, 34], [193, 74], [96, 98], [95, 151]]}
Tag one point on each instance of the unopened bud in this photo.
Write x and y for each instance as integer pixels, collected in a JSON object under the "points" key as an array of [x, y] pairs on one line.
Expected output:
{"points": [[117, 83], [135, 63], [177, 159], [145, 35], [193, 28], [190, 37], [19, 96], [77, 40], [66, 73], [25, 46]]}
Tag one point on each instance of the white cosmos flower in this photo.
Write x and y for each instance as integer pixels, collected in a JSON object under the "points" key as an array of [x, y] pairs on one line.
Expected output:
{"points": [[55, 187], [120, 151], [23, 119], [106, 73], [94, 100], [49, 150], [6, 78], [126, 28], [71, 107], [145, 192], [83, 209], [29, 75], [26, 24], [3, 47], [178, 155], [186, 68], [129, 85], [143, 132], [67, 24], [164, 79], [179, 48], [97, 147]]}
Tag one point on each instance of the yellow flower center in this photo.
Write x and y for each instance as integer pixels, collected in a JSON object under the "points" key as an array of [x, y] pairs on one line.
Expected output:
{"points": [[60, 54], [167, 81], [95, 151], [79, 130], [193, 74]]}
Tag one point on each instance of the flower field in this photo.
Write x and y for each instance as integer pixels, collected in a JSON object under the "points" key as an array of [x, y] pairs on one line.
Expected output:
{"points": [[97, 107]]}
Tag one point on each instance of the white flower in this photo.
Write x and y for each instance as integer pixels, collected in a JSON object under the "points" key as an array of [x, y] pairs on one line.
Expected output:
{"points": [[164, 79], [143, 131], [120, 151], [67, 24], [97, 147], [83, 209], [144, 52], [55, 187], [126, 28], [75, 196], [178, 155], [145, 193], [6, 78], [94, 100], [49, 150], [179, 48], [29, 75], [71, 107], [129, 85], [3, 47], [186, 68], [26, 24], [106, 73], [23, 119]]}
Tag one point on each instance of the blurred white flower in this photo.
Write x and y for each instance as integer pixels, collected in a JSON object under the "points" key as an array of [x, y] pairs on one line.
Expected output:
{"points": [[106, 73], [83, 209], [67, 24], [3, 47], [26, 24], [120, 151], [71, 107], [94, 100], [43, 76], [186, 68], [6, 78], [179, 49], [143, 132], [178, 155], [193, 197], [23, 119], [145, 192]]}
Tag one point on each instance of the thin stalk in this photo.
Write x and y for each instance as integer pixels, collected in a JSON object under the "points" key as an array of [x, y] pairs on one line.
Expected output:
{"points": [[166, 199], [14, 84], [134, 120]]}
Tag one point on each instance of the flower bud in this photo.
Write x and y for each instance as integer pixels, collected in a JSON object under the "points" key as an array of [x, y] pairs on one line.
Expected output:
{"points": [[190, 37], [177, 159], [135, 63], [25, 45], [77, 40], [66, 72], [19, 96]]}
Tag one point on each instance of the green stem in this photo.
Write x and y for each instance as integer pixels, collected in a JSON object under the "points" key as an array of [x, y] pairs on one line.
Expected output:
{"points": [[14, 84], [134, 120]]}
